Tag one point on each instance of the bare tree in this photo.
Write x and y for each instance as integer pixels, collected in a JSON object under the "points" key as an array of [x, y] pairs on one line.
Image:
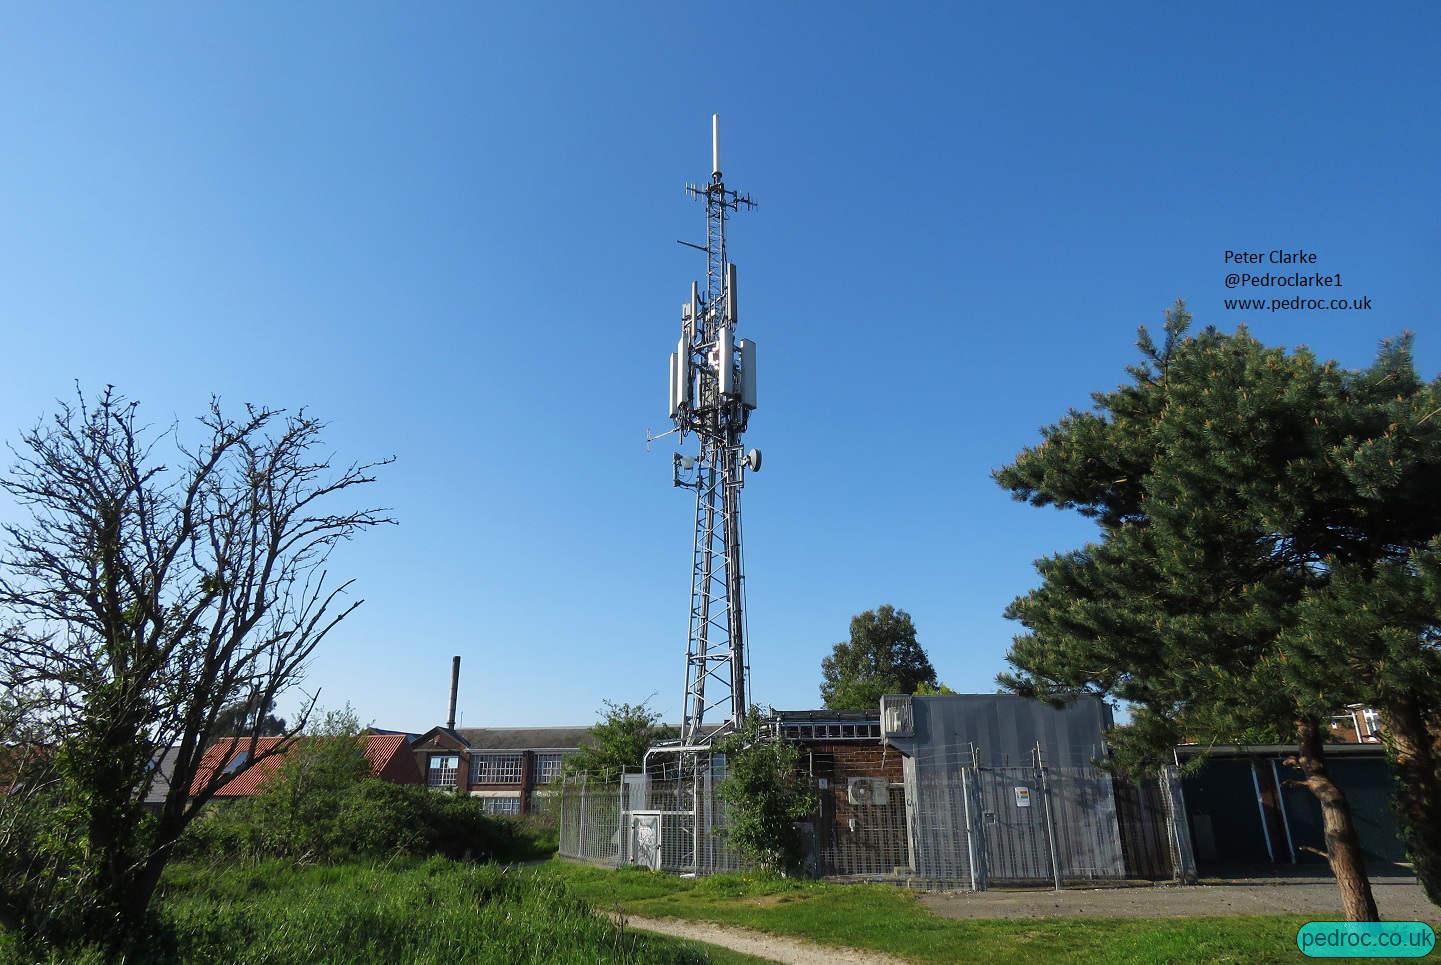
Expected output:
{"points": [[145, 597]]}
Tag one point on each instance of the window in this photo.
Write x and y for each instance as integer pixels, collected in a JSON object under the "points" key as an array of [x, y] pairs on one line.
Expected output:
{"points": [[839, 730], [548, 767], [442, 770], [1373, 722], [501, 805], [237, 762], [495, 769]]}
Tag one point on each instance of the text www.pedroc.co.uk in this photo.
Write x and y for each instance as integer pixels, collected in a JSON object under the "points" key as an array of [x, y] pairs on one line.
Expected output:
{"points": [[1267, 270]]}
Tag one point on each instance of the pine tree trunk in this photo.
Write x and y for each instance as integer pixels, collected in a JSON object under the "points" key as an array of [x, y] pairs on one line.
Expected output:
{"points": [[1418, 789], [1343, 847]]}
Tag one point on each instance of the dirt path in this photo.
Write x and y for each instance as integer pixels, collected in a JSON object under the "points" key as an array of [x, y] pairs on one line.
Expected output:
{"points": [[1398, 902], [791, 951]]}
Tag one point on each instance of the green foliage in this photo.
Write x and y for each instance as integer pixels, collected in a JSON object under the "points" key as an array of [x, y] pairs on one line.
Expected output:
{"points": [[43, 845], [241, 717], [370, 818], [302, 808], [323, 805], [619, 740], [924, 689], [1269, 534], [432, 913], [767, 794], [882, 657], [142, 593]]}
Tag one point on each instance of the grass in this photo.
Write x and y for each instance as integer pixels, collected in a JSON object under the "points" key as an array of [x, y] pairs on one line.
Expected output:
{"points": [[437, 911], [891, 920]]}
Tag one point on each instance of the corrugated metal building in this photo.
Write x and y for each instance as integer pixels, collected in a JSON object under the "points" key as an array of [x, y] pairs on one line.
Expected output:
{"points": [[1001, 788]]}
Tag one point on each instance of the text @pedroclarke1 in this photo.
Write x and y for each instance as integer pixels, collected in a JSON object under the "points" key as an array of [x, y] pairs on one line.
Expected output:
{"points": [[1263, 276]]}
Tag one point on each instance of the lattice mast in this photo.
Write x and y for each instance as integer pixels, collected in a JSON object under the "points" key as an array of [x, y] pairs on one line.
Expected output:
{"points": [[712, 394]]}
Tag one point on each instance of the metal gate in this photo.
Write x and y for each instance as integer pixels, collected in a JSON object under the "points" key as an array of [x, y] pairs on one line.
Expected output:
{"points": [[974, 827], [644, 840]]}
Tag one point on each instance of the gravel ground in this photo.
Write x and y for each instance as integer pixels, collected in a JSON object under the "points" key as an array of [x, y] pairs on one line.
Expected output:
{"points": [[789, 950], [1397, 902]]}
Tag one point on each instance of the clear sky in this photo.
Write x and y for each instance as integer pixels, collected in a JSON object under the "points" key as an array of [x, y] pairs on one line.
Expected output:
{"points": [[450, 229]]}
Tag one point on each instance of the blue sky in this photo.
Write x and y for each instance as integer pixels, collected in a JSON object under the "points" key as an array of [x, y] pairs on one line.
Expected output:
{"points": [[450, 229]]}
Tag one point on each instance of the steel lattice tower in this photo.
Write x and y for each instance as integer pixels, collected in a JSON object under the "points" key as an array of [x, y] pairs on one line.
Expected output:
{"points": [[712, 393]]}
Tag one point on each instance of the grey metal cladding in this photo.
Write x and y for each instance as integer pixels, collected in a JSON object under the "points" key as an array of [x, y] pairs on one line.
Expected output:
{"points": [[1004, 729]]}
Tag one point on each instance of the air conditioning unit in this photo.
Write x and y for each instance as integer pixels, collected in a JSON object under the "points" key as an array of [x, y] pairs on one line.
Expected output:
{"points": [[897, 719], [867, 792]]}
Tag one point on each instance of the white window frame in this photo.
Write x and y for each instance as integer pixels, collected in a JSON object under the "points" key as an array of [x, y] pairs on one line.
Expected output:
{"points": [[1373, 722], [548, 767], [501, 805], [496, 768], [438, 774]]}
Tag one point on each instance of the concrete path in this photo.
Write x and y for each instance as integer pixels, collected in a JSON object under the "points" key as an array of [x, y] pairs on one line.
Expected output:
{"points": [[791, 951], [1397, 901]]}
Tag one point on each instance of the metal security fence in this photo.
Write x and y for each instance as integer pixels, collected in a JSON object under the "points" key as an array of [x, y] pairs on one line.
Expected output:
{"points": [[945, 829], [1082, 808], [860, 830], [965, 828], [590, 821], [978, 827], [665, 820], [1178, 831], [1155, 839]]}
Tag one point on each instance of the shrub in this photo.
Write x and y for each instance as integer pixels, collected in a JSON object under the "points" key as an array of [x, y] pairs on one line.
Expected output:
{"points": [[369, 818], [767, 794]]}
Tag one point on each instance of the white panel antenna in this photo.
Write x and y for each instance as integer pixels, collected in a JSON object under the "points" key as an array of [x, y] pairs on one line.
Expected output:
{"points": [[748, 372], [731, 315], [672, 398], [726, 361]]}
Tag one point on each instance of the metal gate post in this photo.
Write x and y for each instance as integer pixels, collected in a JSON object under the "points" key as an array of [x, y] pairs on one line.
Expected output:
{"points": [[582, 817], [977, 883], [622, 824], [563, 824], [696, 817], [1050, 823]]}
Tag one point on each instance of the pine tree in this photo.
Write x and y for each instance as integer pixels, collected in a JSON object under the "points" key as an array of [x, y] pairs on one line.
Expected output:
{"points": [[1263, 517]]}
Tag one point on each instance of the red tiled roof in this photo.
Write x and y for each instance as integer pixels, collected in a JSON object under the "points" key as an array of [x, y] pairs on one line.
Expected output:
{"points": [[222, 752], [379, 750]]}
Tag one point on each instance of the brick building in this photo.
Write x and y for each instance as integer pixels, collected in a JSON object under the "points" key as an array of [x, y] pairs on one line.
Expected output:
{"points": [[507, 767], [859, 829], [387, 752]]}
